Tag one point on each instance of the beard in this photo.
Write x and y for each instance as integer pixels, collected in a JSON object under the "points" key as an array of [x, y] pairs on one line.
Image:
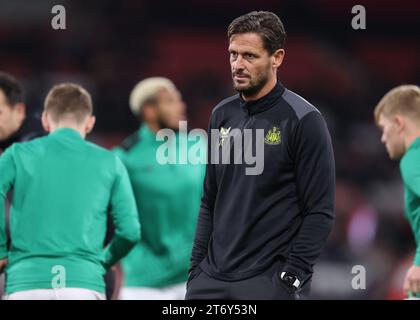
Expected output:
{"points": [[163, 124], [254, 86]]}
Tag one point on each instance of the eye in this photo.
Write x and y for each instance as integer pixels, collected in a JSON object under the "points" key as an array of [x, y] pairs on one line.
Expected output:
{"points": [[233, 55], [249, 56]]}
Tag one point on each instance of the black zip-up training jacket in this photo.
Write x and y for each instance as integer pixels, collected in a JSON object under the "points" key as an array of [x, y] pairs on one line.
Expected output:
{"points": [[247, 222]]}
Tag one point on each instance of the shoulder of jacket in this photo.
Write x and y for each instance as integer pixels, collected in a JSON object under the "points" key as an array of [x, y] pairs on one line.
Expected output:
{"points": [[225, 102], [298, 104], [130, 142]]}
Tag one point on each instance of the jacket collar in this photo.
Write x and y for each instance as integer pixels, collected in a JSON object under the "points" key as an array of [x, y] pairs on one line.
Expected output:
{"points": [[415, 144], [66, 132], [265, 102]]}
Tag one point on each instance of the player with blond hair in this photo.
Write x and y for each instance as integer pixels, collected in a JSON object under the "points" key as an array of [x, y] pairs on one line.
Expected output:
{"points": [[398, 116]]}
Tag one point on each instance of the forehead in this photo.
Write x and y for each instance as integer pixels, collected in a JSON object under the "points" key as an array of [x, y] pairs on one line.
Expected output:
{"points": [[2, 97], [168, 94], [383, 120], [246, 42], [3, 101]]}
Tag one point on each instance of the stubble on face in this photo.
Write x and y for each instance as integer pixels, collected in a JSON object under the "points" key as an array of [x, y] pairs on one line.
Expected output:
{"points": [[250, 63]]}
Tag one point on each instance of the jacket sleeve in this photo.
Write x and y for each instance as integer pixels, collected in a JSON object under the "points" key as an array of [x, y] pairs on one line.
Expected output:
{"points": [[7, 178], [125, 218], [410, 172], [204, 227], [315, 179]]}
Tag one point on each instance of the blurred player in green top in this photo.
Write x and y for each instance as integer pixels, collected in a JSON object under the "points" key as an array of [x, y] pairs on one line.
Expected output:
{"points": [[168, 195], [63, 187], [398, 116]]}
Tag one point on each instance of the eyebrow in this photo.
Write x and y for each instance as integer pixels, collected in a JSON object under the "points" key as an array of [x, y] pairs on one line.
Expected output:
{"points": [[244, 52]]}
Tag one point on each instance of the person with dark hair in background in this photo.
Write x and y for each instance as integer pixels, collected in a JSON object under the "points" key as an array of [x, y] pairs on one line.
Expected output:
{"points": [[15, 124], [258, 236]]}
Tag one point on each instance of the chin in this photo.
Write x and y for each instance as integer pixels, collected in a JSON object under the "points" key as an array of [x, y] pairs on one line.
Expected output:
{"points": [[4, 136], [241, 86], [395, 156], [173, 127]]}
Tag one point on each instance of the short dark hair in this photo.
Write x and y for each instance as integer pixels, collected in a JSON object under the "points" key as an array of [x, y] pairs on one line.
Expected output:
{"points": [[11, 88], [264, 23], [68, 99]]}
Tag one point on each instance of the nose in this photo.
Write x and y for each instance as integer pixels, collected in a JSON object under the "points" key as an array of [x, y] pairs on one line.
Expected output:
{"points": [[383, 140], [181, 107], [237, 64]]}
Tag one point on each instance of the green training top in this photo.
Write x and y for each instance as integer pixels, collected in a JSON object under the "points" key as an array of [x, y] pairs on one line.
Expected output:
{"points": [[168, 197], [410, 172], [63, 187]]}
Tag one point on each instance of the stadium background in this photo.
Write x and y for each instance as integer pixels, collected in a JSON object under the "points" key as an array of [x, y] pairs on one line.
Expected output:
{"points": [[110, 45]]}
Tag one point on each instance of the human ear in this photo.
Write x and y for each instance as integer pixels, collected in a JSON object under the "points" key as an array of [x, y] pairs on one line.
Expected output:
{"points": [[45, 122], [90, 123], [400, 123], [278, 57]]}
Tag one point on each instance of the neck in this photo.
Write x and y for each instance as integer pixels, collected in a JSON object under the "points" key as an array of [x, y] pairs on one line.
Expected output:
{"points": [[20, 123], [410, 136], [153, 126], [70, 125], [264, 90], [17, 128]]}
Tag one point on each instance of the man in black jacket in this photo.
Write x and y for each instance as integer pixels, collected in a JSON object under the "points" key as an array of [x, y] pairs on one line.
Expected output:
{"points": [[259, 234]]}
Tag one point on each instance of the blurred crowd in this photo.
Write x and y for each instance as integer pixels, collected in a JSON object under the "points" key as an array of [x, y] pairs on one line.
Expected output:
{"points": [[109, 46]]}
